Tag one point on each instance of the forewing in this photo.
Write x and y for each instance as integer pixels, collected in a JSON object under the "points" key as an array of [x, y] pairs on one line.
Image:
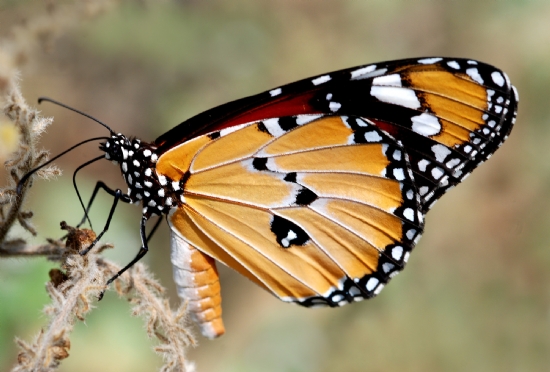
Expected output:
{"points": [[449, 114]]}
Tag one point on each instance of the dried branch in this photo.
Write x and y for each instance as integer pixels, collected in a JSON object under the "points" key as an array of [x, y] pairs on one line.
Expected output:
{"points": [[70, 300], [171, 328], [73, 292], [26, 120], [73, 288]]}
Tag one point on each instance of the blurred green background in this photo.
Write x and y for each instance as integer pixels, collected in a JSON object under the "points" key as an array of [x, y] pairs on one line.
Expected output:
{"points": [[475, 295]]}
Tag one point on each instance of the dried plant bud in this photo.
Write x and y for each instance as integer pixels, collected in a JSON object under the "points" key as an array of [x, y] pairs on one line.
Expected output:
{"points": [[59, 352], [77, 239], [57, 277], [49, 172]]}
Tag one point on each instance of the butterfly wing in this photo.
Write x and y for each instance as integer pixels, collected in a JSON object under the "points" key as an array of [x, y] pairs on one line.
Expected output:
{"points": [[317, 190], [450, 114], [319, 210]]}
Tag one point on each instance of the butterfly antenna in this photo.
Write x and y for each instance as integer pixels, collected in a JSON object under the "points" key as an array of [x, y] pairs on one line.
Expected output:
{"points": [[33, 171], [41, 99]]}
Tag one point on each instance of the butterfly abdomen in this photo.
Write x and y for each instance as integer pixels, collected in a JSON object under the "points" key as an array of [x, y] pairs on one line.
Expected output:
{"points": [[198, 283]]}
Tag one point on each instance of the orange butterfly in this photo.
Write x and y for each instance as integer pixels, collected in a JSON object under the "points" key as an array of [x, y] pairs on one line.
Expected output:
{"points": [[316, 190]]}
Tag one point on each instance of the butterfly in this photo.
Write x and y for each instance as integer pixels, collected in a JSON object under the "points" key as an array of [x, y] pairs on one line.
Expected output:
{"points": [[316, 190]]}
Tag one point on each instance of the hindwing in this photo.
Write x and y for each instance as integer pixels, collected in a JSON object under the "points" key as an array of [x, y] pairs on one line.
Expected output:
{"points": [[317, 209]]}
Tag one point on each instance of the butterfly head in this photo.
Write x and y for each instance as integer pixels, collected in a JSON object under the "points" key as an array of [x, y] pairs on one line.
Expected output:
{"points": [[115, 147]]}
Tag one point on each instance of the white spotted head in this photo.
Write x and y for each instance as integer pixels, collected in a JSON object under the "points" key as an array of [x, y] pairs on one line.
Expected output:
{"points": [[116, 147]]}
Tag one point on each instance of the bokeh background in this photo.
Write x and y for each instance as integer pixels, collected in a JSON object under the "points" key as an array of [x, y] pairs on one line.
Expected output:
{"points": [[475, 295]]}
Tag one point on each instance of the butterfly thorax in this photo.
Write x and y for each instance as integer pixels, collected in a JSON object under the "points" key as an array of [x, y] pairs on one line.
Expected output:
{"points": [[137, 161]]}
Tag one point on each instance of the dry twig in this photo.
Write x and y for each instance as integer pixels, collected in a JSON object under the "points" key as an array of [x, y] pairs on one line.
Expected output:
{"points": [[74, 288], [72, 293]]}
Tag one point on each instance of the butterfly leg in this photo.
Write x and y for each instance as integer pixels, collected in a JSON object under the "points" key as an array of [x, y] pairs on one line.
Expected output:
{"points": [[117, 196], [123, 198], [100, 185], [142, 252], [154, 229]]}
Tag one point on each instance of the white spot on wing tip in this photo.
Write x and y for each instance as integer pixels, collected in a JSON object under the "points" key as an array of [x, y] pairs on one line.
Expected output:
{"points": [[426, 124], [393, 80], [334, 106], [397, 155], [497, 77], [437, 173], [429, 61], [409, 214], [452, 163], [321, 79], [372, 283], [410, 234], [453, 64], [397, 96], [379, 289], [275, 92], [441, 152], [474, 74], [399, 174], [397, 253], [363, 72]]}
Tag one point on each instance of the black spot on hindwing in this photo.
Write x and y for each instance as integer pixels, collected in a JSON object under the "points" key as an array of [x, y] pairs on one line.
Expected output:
{"points": [[290, 177], [288, 233], [260, 164], [305, 196]]}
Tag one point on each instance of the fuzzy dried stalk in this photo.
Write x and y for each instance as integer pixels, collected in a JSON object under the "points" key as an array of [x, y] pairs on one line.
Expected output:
{"points": [[30, 126], [73, 291], [71, 300], [170, 328], [74, 288]]}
